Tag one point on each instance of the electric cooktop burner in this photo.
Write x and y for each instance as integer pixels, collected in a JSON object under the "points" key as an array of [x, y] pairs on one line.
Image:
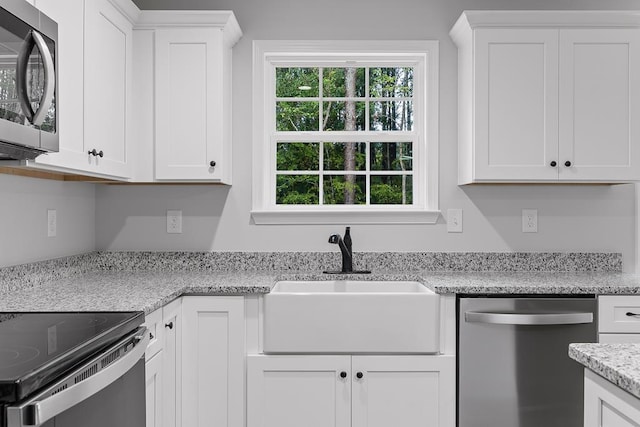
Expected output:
{"points": [[35, 348], [15, 355]]}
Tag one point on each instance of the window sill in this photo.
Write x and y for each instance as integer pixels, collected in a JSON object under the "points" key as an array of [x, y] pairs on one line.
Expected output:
{"points": [[295, 217]]}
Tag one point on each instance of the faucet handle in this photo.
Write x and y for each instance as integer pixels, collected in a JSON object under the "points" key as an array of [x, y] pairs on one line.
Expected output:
{"points": [[334, 238]]}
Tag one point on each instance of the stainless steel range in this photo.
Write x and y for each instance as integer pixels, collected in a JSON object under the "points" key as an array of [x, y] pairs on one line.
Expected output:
{"points": [[72, 369]]}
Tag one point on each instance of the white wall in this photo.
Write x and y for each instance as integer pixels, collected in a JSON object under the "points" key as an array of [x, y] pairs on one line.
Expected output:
{"points": [[571, 218], [23, 219]]}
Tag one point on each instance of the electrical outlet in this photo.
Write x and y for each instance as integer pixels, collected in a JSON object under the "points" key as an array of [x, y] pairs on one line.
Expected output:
{"points": [[52, 223], [529, 220], [454, 220], [174, 222]]}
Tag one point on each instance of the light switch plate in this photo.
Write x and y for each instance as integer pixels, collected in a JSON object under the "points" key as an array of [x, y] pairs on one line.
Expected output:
{"points": [[529, 220], [454, 220]]}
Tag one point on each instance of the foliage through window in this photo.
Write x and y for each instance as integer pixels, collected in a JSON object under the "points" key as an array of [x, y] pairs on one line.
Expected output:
{"points": [[358, 102], [346, 127]]}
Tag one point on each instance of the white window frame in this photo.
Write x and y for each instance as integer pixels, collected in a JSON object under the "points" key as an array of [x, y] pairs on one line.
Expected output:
{"points": [[420, 54]]}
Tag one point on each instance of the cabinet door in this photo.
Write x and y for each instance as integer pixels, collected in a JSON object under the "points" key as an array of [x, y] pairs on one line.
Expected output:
{"points": [[107, 85], [295, 391], [599, 104], [189, 95], [153, 322], [69, 14], [213, 361], [606, 405], [516, 104], [153, 375], [171, 370], [407, 391]]}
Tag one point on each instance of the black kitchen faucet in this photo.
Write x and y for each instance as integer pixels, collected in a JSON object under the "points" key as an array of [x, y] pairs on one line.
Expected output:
{"points": [[347, 253]]}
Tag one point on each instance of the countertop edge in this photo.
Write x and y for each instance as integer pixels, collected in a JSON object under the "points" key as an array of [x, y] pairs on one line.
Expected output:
{"points": [[608, 368]]}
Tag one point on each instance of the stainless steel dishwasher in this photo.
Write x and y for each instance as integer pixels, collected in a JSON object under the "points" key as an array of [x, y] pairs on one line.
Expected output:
{"points": [[513, 368]]}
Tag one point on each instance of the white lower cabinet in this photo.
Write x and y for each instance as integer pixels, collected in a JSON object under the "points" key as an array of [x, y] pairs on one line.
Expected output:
{"points": [[606, 405], [408, 391], [213, 350], [357, 391], [618, 318], [195, 363], [293, 391], [172, 363], [153, 390]]}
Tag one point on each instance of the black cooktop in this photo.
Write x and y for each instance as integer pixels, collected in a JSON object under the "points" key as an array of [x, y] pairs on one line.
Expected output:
{"points": [[36, 348]]}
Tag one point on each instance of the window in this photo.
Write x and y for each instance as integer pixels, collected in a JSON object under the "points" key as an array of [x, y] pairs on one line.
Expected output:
{"points": [[345, 132]]}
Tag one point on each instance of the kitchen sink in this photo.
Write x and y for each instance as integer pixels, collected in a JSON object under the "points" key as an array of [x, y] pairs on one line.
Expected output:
{"points": [[351, 316]]}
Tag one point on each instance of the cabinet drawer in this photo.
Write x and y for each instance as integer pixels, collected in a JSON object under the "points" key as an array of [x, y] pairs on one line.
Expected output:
{"points": [[618, 338], [153, 322], [620, 313]]}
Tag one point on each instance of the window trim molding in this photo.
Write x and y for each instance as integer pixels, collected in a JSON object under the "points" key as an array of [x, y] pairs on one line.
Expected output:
{"points": [[263, 213]]}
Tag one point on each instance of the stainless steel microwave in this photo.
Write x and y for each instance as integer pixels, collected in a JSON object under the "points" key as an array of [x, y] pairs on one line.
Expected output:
{"points": [[28, 82]]}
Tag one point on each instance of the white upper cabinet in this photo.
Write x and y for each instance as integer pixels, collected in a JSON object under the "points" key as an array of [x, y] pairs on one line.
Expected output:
{"points": [[107, 87], [183, 117], [548, 96], [94, 87], [599, 104]]}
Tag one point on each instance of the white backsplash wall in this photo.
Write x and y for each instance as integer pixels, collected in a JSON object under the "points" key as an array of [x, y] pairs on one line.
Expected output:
{"points": [[215, 218], [23, 218]]}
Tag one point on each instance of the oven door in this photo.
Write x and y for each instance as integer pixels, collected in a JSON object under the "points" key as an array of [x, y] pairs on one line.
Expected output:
{"points": [[107, 390]]}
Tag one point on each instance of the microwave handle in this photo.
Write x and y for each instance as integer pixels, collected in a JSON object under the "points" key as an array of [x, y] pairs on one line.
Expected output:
{"points": [[35, 39]]}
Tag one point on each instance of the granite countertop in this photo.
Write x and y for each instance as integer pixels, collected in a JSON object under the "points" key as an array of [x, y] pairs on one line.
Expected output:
{"points": [[145, 281], [618, 363], [532, 282], [149, 290], [130, 291]]}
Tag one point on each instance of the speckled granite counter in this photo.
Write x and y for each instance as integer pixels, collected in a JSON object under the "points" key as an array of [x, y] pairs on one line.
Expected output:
{"points": [[116, 281], [618, 363], [130, 291], [147, 290], [532, 283]]}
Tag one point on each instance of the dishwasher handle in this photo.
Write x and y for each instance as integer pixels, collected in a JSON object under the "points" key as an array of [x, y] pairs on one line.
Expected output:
{"points": [[533, 319]]}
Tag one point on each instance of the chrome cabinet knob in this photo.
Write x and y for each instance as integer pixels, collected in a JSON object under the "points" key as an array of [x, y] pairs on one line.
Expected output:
{"points": [[212, 163], [567, 163], [359, 375], [343, 374], [169, 325], [553, 164]]}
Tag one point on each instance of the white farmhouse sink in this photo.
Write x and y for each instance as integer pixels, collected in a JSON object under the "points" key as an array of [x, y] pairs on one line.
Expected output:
{"points": [[349, 316]]}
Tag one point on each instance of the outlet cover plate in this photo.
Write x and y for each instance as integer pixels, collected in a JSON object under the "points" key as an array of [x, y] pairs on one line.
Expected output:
{"points": [[174, 221], [52, 223], [529, 220], [454, 220]]}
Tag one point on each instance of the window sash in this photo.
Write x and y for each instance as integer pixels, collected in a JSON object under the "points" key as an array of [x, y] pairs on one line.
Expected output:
{"points": [[417, 175], [422, 56]]}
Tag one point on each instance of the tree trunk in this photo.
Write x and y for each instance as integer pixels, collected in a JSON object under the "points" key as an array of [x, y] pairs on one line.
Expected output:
{"points": [[350, 147]]}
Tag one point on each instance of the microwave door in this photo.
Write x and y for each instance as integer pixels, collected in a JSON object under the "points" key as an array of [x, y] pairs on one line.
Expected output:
{"points": [[14, 126], [25, 71]]}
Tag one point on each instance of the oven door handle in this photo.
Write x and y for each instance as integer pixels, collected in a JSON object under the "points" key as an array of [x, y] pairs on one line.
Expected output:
{"points": [[22, 68], [571, 318], [45, 406]]}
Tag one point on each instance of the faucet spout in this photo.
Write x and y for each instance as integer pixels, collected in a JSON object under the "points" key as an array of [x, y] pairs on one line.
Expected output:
{"points": [[345, 249]]}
